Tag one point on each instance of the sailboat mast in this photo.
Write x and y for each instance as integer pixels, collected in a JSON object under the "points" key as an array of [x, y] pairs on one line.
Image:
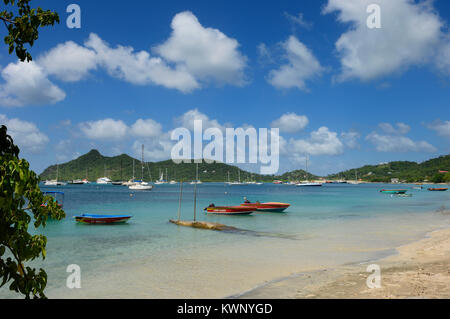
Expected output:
{"points": [[179, 203], [142, 164], [195, 201], [133, 169]]}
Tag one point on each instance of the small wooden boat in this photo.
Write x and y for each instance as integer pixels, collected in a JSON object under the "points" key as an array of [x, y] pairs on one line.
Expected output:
{"points": [[267, 207], [393, 191], [59, 199], [229, 210], [442, 189], [102, 219]]}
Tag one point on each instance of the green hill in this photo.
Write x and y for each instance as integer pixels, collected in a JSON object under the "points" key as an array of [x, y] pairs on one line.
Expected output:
{"points": [[402, 170], [94, 165]]}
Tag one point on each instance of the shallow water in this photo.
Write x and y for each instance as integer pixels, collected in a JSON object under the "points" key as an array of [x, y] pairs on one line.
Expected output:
{"points": [[151, 258]]}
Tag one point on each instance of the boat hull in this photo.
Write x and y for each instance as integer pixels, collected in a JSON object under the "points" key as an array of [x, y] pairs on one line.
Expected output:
{"points": [[437, 189], [230, 210], [268, 207], [102, 219], [393, 191]]}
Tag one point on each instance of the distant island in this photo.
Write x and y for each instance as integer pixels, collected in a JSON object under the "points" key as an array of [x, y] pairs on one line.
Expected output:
{"points": [[93, 165]]}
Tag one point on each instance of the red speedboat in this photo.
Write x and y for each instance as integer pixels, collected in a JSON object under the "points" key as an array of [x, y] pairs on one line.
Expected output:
{"points": [[229, 210], [437, 189], [267, 207]]}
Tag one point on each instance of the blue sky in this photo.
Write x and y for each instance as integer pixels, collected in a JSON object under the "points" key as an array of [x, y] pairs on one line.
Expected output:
{"points": [[343, 93]]}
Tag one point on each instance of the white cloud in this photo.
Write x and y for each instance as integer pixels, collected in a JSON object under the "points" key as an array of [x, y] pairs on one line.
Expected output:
{"points": [[410, 34], [298, 20], [442, 60], [139, 67], [302, 65], [26, 83], [395, 143], [290, 123], [106, 129], [146, 128], [402, 128], [25, 134], [206, 53], [350, 139], [68, 61], [321, 142], [187, 120], [442, 128], [155, 149]]}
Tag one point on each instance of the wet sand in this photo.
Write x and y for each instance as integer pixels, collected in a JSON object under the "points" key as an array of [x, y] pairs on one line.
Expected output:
{"points": [[418, 270]]}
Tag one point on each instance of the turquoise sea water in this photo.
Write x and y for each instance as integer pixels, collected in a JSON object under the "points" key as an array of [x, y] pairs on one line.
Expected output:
{"points": [[151, 258]]}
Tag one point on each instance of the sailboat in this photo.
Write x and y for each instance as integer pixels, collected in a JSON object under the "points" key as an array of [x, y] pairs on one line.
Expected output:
{"points": [[307, 183], [197, 181], [239, 180], [356, 181], [161, 179], [141, 186], [54, 182], [104, 180]]}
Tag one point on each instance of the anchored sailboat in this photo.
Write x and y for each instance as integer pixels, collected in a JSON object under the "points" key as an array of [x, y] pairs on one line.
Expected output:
{"points": [[141, 186]]}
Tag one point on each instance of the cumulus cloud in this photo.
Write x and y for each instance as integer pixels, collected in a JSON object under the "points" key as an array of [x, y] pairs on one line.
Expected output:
{"points": [[301, 66], [26, 83], [350, 139], [107, 129], [68, 61], [139, 67], [187, 120], [402, 128], [442, 128], [290, 123], [395, 143], [206, 53], [410, 34], [156, 149], [321, 142], [25, 134], [146, 128]]}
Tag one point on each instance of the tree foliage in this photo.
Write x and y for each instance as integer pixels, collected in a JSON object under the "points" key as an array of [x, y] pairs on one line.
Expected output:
{"points": [[21, 200], [23, 23]]}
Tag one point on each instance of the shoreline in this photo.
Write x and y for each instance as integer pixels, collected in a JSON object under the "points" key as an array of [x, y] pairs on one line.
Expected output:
{"points": [[419, 269]]}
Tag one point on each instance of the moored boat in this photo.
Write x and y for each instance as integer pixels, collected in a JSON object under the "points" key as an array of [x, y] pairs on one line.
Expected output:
{"points": [[267, 207], [393, 191], [57, 196], [229, 210], [308, 184], [102, 219], [143, 186], [442, 189]]}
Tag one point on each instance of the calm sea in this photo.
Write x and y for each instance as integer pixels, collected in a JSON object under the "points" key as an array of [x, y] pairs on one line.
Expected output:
{"points": [[151, 258]]}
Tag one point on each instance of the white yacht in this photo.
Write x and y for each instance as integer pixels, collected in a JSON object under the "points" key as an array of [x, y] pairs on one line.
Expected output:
{"points": [[103, 180]]}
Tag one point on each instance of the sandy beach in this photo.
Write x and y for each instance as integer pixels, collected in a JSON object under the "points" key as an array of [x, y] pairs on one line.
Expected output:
{"points": [[419, 270]]}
